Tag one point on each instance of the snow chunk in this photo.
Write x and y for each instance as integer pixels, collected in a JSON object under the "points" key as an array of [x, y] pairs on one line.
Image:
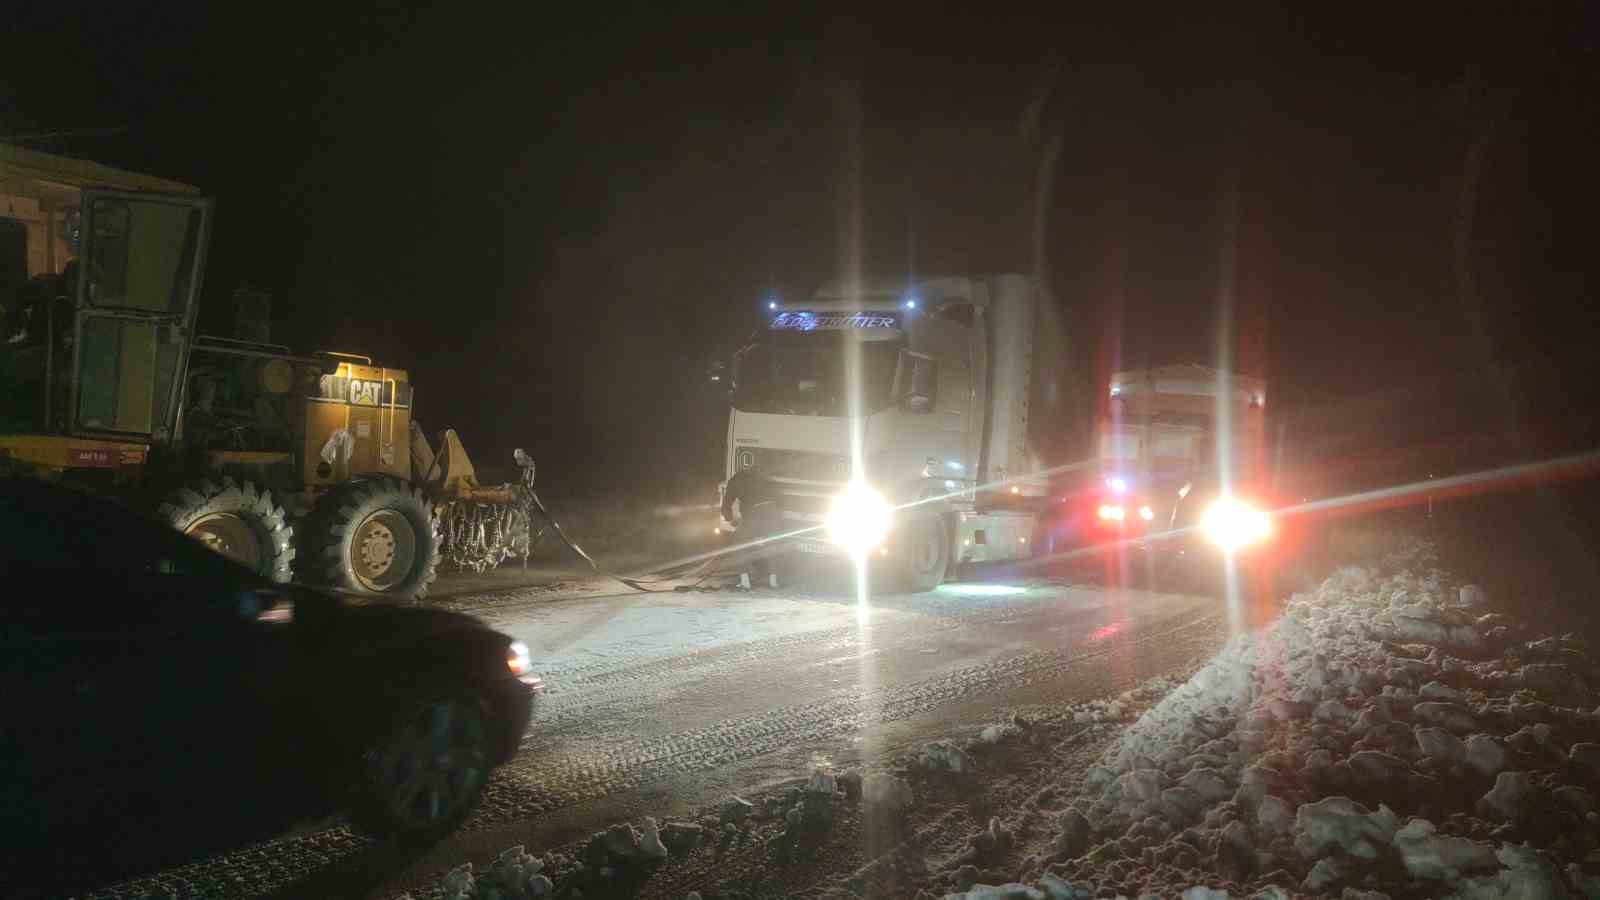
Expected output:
{"points": [[1343, 824], [1449, 715], [1413, 630], [1332, 711], [516, 873], [886, 793], [459, 884], [1236, 855], [1325, 874], [1441, 744], [1274, 816], [1058, 888], [1074, 836], [997, 734], [1485, 754], [1428, 854], [1527, 874], [1514, 796], [650, 846], [1435, 690], [1552, 677], [1208, 783], [1377, 766], [942, 756]]}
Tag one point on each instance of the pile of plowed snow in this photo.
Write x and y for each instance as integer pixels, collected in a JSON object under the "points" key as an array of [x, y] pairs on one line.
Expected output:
{"points": [[1387, 736]]}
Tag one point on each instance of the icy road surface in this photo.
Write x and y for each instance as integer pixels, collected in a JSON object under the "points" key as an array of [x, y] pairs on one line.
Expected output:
{"points": [[661, 703]]}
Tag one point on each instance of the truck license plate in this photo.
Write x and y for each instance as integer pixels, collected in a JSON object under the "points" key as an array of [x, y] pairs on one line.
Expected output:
{"points": [[814, 547]]}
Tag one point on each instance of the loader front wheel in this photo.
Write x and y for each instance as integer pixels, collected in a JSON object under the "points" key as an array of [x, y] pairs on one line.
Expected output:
{"points": [[236, 519], [374, 536]]}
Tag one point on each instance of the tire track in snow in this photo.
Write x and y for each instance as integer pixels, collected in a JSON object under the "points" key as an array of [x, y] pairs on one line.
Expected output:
{"points": [[552, 779]]}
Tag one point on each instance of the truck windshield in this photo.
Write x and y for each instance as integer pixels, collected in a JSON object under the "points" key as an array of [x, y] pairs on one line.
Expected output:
{"points": [[804, 375], [1162, 447]]}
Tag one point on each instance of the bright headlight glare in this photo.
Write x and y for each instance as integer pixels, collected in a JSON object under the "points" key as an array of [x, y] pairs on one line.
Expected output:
{"points": [[1111, 512], [1146, 513], [517, 659], [859, 519], [1233, 524]]}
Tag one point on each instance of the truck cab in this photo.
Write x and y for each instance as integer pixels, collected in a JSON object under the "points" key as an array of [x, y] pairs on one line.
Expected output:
{"points": [[889, 422]]}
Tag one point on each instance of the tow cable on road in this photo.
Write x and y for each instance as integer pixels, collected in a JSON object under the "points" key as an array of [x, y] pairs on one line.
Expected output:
{"points": [[638, 584]]}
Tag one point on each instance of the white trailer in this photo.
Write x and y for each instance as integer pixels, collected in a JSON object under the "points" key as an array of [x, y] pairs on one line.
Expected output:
{"points": [[913, 425]]}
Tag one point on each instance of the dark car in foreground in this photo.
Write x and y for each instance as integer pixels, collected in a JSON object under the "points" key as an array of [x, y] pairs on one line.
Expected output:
{"points": [[159, 702]]}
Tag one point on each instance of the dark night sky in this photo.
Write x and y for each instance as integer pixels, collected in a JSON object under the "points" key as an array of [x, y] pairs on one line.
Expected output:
{"points": [[554, 222]]}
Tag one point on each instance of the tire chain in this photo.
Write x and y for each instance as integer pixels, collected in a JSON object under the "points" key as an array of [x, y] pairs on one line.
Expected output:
{"points": [[480, 536]]}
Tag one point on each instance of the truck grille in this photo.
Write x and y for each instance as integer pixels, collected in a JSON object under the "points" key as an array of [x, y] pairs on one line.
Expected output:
{"points": [[804, 506], [801, 465]]}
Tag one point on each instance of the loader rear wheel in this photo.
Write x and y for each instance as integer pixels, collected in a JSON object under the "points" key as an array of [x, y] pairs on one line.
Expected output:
{"points": [[236, 519], [372, 535]]}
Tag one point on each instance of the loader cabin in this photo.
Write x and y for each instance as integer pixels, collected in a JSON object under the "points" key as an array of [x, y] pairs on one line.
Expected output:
{"points": [[99, 270]]}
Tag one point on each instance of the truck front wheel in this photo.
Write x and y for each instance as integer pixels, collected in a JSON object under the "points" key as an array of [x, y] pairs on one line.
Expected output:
{"points": [[921, 555]]}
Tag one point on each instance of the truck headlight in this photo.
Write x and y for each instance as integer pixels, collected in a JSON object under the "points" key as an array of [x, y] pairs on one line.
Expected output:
{"points": [[858, 520], [1233, 524]]}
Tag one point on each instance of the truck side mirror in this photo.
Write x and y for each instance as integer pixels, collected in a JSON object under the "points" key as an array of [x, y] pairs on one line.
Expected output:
{"points": [[914, 382]]}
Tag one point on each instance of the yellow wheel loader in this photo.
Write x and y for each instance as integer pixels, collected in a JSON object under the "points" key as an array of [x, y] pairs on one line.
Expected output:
{"points": [[304, 466]]}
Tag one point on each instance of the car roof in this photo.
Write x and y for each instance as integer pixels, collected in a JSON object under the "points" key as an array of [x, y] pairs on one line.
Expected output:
{"points": [[35, 497]]}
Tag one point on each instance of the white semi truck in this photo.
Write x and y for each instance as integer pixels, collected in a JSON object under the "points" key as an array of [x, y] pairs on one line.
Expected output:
{"points": [[913, 426]]}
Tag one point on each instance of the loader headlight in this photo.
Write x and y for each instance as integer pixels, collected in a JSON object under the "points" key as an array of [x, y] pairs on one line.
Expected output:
{"points": [[859, 519], [1233, 524]]}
